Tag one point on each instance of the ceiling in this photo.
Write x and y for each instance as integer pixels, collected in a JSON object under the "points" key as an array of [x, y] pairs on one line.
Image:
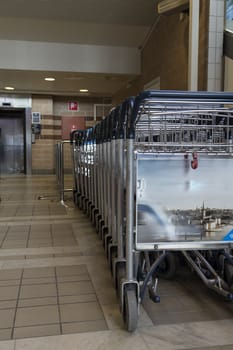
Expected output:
{"points": [[104, 22]]}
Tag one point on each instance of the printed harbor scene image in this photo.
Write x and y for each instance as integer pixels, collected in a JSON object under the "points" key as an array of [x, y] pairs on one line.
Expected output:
{"points": [[184, 197]]}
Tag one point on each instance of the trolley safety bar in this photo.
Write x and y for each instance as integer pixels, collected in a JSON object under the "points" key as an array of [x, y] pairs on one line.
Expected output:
{"points": [[60, 169]]}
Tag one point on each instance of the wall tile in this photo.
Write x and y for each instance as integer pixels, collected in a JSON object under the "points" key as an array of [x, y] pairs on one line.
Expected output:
{"points": [[219, 55], [220, 8], [212, 55], [211, 71], [212, 23], [219, 40], [213, 8], [218, 85], [220, 24], [212, 39], [211, 85], [218, 71]]}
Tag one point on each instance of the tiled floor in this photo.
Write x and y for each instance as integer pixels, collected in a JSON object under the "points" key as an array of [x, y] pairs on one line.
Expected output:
{"points": [[56, 289], [187, 299]]}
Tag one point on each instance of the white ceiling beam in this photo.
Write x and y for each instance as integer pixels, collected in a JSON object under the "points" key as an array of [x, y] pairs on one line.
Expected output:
{"points": [[41, 56]]}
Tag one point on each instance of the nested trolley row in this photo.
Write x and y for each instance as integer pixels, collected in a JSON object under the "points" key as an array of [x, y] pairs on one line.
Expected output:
{"points": [[155, 177]]}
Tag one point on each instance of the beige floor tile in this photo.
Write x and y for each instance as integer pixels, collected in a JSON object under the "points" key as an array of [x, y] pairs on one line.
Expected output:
{"points": [[65, 255], [81, 312], [102, 340], [9, 283], [38, 243], [37, 291], [15, 236], [40, 229], [12, 257], [37, 302], [107, 296], [7, 345], [63, 243], [71, 270], [36, 331], [39, 272], [5, 334], [74, 288], [14, 244], [40, 235], [9, 293], [80, 327], [74, 278], [71, 299], [7, 318], [42, 256], [39, 280], [40, 315], [113, 316], [13, 274], [8, 304]]}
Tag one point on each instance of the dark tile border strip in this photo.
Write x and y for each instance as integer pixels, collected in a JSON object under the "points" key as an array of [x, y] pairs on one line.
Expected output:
{"points": [[17, 303]]}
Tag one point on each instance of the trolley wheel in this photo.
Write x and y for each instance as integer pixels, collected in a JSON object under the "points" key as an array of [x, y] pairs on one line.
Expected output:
{"points": [[229, 274], [167, 268], [131, 310]]}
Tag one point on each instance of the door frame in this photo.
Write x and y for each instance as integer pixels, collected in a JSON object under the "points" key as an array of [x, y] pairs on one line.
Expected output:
{"points": [[24, 113]]}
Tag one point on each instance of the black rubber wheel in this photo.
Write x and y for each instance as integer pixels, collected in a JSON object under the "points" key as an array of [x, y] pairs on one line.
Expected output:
{"points": [[229, 274], [167, 269], [131, 310]]}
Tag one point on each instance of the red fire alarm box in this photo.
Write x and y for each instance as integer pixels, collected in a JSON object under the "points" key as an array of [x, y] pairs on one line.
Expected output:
{"points": [[73, 106]]}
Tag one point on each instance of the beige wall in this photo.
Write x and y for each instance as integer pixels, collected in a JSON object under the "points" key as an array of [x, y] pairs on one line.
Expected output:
{"points": [[52, 108], [165, 54], [228, 79]]}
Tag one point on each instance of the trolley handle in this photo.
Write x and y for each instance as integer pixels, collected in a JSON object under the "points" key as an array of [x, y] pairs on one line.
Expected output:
{"points": [[123, 117], [174, 96], [114, 122], [73, 134]]}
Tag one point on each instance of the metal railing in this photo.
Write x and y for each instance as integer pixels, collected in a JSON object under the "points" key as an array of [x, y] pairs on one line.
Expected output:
{"points": [[60, 169]]}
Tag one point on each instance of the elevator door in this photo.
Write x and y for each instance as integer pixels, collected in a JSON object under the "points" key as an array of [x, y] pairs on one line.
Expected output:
{"points": [[12, 159]]}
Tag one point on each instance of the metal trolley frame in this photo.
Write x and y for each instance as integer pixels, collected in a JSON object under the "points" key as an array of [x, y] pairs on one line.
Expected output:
{"points": [[147, 156]]}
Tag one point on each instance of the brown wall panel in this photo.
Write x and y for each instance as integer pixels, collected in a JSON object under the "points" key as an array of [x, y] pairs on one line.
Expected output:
{"points": [[165, 54]]}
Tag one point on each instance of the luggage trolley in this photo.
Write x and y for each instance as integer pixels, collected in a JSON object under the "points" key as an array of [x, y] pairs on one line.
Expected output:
{"points": [[75, 144], [178, 193], [77, 138]]}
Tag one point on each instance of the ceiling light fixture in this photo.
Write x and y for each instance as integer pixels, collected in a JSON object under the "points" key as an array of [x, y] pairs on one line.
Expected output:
{"points": [[49, 79], [83, 90], [9, 88]]}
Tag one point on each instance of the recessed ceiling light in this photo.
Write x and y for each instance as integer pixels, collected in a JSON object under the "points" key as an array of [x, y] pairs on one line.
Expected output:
{"points": [[49, 79], [9, 88], [83, 90]]}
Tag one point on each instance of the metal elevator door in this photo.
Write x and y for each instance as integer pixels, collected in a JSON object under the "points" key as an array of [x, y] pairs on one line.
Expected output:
{"points": [[12, 152]]}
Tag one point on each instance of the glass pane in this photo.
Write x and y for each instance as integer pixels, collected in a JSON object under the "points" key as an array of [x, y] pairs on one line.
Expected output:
{"points": [[229, 15]]}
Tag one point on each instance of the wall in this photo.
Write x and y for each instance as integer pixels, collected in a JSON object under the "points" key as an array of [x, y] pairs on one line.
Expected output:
{"points": [[52, 109], [43, 148], [228, 81], [215, 56], [165, 54]]}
